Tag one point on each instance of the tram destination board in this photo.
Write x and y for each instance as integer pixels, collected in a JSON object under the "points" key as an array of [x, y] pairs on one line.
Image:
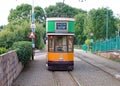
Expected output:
{"points": [[61, 26]]}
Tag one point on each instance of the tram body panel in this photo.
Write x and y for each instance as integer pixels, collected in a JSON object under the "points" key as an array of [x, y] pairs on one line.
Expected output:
{"points": [[60, 56], [60, 53]]}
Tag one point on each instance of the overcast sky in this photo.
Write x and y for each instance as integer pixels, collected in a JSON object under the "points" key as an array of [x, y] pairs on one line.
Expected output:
{"points": [[6, 5]]}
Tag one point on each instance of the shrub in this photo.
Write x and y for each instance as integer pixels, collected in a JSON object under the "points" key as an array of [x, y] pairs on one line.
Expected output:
{"points": [[24, 50], [6, 39], [3, 50], [39, 32], [41, 45]]}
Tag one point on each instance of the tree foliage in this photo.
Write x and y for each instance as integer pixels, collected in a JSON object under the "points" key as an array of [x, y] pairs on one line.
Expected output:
{"points": [[23, 12], [79, 27], [6, 38], [40, 31], [96, 23], [118, 23], [61, 10], [2, 27], [3, 50], [39, 14]]}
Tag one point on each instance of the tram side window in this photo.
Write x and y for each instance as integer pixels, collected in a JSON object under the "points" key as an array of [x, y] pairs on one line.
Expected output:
{"points": [[51, 44], [61, 45], [70, 44]]}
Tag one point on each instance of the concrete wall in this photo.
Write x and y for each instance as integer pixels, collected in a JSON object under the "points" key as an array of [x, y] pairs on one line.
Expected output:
{"points": [[10, 68]]}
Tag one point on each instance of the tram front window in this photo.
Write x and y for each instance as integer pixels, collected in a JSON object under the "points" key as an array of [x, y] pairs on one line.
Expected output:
{"points": [[70, 43], [51, 43], [61, 45]]}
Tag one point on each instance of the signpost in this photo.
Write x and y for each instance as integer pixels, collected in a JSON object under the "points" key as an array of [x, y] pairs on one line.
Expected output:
{"points": [[91, 40], [33, 26]]}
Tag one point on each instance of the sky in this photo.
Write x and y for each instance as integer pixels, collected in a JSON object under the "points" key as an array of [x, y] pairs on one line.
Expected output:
{"points": [[7, 5]]}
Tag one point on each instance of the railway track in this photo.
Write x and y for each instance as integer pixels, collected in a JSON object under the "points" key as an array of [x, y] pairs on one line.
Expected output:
{"points": [[103, 68], [64, 78], [74, 79]]}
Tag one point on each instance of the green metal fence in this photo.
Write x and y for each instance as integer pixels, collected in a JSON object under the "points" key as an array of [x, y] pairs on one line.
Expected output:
{"points": [[108, 45]]}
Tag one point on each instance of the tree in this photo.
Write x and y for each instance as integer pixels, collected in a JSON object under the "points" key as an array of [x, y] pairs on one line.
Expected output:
{"points": [[62, 10], [118, 23], [6, 38], [2, 27], [39, 33], [96, 23], [22, 12], [79, 27], [39, 15]]}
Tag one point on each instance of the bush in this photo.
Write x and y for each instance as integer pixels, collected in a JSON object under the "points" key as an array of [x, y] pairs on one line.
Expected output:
{"points": [[39, 32], [3, 50], [20, 32], [24, 50], [41, 45], [6, 39]]}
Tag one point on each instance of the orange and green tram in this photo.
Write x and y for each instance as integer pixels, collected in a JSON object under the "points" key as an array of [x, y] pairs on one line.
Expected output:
{"points": [[60, 49]]}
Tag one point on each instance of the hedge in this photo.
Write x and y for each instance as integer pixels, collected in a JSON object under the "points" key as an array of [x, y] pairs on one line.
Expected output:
{"points": [[3, 50], [24, 50]]}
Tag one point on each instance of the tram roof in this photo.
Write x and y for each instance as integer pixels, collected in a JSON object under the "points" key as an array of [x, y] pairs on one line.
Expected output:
{"points": [[60, 19], [60, 34]]}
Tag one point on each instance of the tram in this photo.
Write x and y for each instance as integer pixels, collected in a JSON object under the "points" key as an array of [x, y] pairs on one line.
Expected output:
{"points": [[60, 49]]}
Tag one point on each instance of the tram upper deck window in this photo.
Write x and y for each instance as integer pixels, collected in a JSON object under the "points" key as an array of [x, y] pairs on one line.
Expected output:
{"points": [[51, 43], [61, 26], [61, 45]]}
